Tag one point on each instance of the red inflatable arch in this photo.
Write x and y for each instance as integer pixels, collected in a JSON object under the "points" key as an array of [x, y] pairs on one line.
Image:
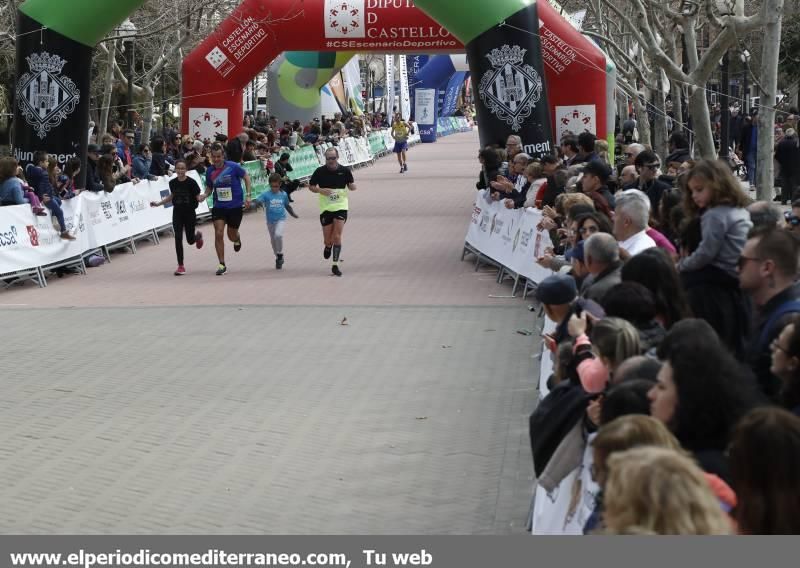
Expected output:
{"points": [[215, 72]]}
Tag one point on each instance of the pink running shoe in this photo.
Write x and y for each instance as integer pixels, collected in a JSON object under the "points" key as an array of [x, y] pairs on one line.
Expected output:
{"points": [[198, 239], [180, 271]]}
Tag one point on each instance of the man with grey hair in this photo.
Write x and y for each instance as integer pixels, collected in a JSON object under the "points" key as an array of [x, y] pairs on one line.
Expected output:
{"points": [[513, 146], [601, 258], [630, 222], [765, 215], [631, 151]]}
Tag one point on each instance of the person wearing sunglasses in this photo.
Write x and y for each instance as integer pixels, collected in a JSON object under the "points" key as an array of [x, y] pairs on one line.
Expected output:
{"points": [[332, 182], [768, 267], [125, 151], [647, 165], [631, 151]]}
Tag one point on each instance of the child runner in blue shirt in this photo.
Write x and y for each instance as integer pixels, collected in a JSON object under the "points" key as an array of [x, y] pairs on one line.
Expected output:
{"points": [[276, 204]]}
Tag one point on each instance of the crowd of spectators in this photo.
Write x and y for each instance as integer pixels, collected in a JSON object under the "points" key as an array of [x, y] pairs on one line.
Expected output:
{"points": [[676, 350], [120, 156]]}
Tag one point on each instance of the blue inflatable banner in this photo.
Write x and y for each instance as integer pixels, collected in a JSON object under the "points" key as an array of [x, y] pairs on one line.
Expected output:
{"points": [[452, 92]]}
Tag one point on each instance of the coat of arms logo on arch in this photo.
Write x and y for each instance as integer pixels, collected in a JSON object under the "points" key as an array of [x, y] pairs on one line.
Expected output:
{"points": [[511, 89], [44, 96], [344, 18]]}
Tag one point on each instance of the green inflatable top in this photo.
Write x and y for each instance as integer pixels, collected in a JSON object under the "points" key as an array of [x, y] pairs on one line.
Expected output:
{"points": [[61, 16], [459, 16]]}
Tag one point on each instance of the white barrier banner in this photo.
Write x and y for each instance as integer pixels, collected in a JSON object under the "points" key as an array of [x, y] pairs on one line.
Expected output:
{"points": [[510, 237], [547, 364], [347, 152], [388, 141], [94, 219], [361, 150]]}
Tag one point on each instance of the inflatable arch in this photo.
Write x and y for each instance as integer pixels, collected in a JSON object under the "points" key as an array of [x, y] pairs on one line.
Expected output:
{"points": [[295, 80], [527, 84], [54, 52], [434, 77], [531, 70]]}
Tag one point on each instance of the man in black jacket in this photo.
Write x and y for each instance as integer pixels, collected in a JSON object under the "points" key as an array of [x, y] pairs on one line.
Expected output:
{"points": [[647, 165], [92, 180], [767, 271], [282, 168], [787, 154]]}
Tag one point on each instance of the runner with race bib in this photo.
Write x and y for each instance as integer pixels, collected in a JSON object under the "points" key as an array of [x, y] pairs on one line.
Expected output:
{"points": [[224, 179], [332, 182]]}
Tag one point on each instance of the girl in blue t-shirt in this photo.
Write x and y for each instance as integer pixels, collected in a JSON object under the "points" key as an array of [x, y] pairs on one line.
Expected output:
{"points": [[276, 204]]}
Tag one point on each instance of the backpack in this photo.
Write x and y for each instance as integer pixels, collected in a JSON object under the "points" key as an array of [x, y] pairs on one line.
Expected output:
{"points": [[553, 418]]}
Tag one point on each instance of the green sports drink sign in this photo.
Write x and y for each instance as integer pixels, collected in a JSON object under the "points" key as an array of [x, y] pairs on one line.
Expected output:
{"points": [[259, 177]]}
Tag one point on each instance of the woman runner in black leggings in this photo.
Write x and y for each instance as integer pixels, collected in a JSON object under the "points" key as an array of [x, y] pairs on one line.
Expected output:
{"points": [[184, 193]]}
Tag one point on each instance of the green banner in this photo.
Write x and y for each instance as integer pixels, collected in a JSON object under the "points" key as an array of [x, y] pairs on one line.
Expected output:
{"points": [[459, 16], [259, 177], [84, 21]]}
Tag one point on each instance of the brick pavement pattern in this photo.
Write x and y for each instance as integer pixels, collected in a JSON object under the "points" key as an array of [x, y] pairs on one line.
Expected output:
{"points": [[241, 405]]}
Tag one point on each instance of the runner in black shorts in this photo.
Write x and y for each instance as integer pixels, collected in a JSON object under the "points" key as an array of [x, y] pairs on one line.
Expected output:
{"points": [[332, 182], [225, 180]]}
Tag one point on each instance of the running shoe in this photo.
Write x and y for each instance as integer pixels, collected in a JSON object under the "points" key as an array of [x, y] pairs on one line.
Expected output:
{"points": [[405, 167], [335, 270], [279, 262], [402, 169], [237, 245], [221, 269], [198, 239], [326, 253], [180, 270]]}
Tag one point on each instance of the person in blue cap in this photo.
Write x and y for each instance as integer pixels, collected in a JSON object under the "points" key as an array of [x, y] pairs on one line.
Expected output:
{"points": [[558, 295]]}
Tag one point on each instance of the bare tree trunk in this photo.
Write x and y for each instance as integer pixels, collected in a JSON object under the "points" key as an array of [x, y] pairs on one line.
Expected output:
{"points": [[102, 128], [642, 120], [677, 108], [660, 116], [765, 169], [147, 116], [701, 124]]}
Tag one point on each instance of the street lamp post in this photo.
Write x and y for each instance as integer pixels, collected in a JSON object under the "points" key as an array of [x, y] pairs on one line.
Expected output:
{"points": [[745, 57], [127, 31]]}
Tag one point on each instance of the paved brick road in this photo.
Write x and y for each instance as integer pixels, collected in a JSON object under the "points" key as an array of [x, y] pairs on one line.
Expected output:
{"points": [[137, 402]]}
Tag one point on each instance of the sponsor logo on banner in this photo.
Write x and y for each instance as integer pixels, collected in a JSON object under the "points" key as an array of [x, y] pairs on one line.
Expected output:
{"points": [[33, 235], [512, 88], [576, 119], [476, 214], [220, 61], [344, 18], [240, 43], [360, 19], [44, 96], [206, 123], [8, 236], [137, 205], [557, 54], [484, 222], [107, 208]]}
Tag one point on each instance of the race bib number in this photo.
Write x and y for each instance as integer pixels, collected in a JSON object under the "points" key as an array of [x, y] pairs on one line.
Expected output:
{"points": [[224, 194], [334, 197]]}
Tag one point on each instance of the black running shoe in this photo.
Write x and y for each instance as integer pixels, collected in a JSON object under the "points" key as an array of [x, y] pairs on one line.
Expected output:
{"points": [[221, 269], [335, 270], [279, 262], [326, 253], [237, 245]]}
